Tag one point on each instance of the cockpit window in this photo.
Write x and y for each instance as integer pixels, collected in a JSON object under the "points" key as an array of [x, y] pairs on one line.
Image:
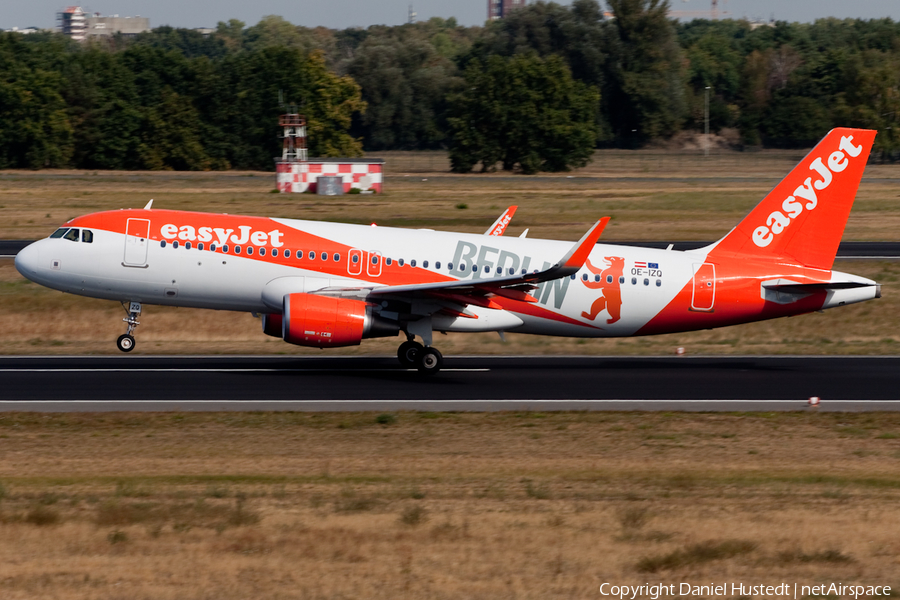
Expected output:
{"points": [[59, 232], [72, 234], [87, 236]]}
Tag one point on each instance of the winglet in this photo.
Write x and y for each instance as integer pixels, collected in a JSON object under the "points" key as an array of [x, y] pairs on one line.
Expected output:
{"points": [[149, 204], [581, 250], [572, 262], [501, 223]]}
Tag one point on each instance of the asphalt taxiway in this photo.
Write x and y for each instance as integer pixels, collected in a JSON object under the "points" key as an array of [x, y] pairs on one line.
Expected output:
{"points": [[744, 383]]}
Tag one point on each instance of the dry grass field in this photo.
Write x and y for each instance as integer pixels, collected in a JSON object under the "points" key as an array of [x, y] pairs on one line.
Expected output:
{"points": [[650, 196], [424, 505]]}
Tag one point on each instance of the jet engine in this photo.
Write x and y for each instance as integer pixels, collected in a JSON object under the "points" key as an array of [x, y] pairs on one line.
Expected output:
{"points": [[271, 324], [324, 322]]}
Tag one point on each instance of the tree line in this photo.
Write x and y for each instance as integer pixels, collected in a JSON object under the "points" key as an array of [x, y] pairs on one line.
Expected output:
{"points": [[537, 90]]}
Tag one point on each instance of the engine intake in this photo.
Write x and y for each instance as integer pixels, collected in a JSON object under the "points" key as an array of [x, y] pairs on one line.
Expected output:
{"points": [[324, 322], [271, 324]]}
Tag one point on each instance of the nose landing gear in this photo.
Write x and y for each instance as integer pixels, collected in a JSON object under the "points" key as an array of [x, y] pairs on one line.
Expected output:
{"points": [[126, 343]]}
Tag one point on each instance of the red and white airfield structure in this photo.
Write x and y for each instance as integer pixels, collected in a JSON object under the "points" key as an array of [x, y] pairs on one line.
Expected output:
{"points": [[361, 173], [331, 284]]}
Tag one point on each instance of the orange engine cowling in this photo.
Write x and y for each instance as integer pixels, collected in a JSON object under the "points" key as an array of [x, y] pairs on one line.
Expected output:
{"points": [[324, 322]]}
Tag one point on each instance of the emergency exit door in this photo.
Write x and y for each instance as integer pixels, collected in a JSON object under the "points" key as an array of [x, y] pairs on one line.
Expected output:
{"points": [[703, 298]]}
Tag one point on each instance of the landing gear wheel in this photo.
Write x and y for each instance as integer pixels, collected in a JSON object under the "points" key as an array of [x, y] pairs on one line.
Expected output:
{"points": [[125, 343], [429, 361], [408, 353]]}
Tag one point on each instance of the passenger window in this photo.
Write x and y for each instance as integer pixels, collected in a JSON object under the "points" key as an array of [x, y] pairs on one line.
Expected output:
{"points": [[572, 276], [487, 269], [200, 246], [425, 265], [658, 282], [375, 260], [59, 233], [312, 255], [212, 247], [162, 244], [71, 235], [499, 270], [175, 244], [336, 257], [287, 253], [512, 271], [621, 280], [324, 256], [355, 259], [608, 279], [299, 254], [388, 261], [412, 263], [87, 236], [225, 248], [634, 281], [474, 268], [250, 251], [187, 246], [646, 282], [400, 262], [449, 266], [237, 249], [584, 277]]}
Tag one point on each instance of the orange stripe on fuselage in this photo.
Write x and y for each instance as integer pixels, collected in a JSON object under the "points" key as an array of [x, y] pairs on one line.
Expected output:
{"points": [[738, 298], [289, 239], [526, 308]]}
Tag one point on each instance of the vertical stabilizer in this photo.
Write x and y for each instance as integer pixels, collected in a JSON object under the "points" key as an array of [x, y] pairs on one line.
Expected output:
{"points": [[802, 220]]}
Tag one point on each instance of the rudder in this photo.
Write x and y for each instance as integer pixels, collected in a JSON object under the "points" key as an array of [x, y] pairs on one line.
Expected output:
{"points": [[803, 218]]}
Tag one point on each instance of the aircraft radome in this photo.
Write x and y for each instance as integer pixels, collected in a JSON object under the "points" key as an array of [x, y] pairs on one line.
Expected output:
{"points": [[333, 284]]}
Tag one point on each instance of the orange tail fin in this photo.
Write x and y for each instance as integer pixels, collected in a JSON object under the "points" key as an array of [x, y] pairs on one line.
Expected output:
{"points": [[803, 218]]}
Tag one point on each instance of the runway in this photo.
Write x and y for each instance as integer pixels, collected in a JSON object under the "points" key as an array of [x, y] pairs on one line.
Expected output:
{"points": [[154, 383]]}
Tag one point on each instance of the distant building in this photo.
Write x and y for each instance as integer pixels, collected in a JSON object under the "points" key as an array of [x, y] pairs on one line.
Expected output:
{"points": [[24, 30], [100, 26], [497, 9], [72, 22]]}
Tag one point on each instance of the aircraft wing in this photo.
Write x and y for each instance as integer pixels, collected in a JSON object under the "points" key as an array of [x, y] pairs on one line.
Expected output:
{"points": [[477, 291], [502, 222]]}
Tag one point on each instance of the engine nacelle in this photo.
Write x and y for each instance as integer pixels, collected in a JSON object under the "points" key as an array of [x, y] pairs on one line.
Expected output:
{"points": [[324, 322]]}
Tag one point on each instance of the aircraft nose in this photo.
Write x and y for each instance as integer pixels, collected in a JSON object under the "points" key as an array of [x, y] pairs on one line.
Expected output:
{"points": [[28, 259]]}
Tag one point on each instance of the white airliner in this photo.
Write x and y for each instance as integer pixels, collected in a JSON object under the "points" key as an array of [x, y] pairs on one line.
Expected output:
{"points": [[333, 284]]}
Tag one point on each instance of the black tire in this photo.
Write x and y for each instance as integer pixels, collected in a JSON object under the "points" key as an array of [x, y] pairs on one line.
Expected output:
{"points": [[408, 354], [125, 343], [430, 361]]}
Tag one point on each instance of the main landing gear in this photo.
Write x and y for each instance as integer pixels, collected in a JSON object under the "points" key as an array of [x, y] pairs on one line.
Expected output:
{"points": [[412, 354], [125, 342]]}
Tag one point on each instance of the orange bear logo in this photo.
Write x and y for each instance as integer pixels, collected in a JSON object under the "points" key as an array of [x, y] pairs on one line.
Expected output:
{"points": [[611, 300]]}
